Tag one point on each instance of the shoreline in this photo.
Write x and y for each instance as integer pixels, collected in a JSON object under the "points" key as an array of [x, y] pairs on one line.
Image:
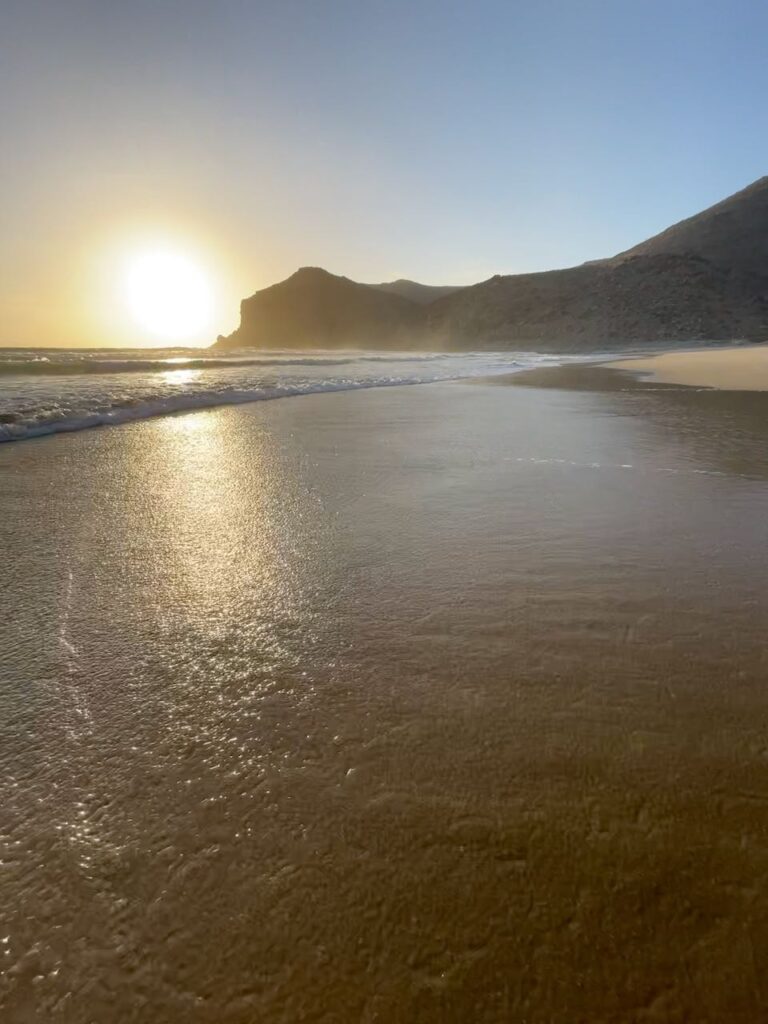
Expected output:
{"points": [[733, 367], [723, 368]]}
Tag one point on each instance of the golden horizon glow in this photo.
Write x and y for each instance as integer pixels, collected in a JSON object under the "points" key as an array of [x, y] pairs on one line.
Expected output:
{"points": [[152, 281], [167, 294]]}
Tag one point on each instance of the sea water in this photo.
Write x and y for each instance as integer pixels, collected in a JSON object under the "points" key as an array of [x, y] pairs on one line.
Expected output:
{"points": [[55, 390]]}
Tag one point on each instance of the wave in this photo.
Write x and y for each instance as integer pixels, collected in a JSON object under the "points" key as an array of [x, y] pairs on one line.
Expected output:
{"points": [[76, 364], [19, 427], [76, 391]]}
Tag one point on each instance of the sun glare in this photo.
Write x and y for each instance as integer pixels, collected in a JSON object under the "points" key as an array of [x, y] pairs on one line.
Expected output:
{"points": [[168, 294]]}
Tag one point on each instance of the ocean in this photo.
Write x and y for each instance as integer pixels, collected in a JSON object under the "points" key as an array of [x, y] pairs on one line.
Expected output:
{"points": [[46, 391]]}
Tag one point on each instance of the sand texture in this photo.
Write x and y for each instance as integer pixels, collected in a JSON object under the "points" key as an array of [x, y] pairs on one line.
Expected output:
{"points": [[431, 704], [733, 368]]}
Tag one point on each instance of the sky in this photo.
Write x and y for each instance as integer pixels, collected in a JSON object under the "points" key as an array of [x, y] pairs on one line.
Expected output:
{"points": [[439, 141]]}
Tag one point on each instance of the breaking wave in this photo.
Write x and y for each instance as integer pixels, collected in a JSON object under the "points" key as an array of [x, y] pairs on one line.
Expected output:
{"points": [[34, 364], [48, 393]]}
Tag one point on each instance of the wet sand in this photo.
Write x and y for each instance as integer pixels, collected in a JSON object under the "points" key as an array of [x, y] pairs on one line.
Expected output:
{"points": [[420, 704], [733, 368]]}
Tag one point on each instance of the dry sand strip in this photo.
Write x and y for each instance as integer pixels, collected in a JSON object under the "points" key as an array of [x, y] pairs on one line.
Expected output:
{"points": [[734, 368]]}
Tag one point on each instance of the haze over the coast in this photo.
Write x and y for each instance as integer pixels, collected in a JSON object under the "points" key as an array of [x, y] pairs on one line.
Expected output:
{"points": [[224, 146]]}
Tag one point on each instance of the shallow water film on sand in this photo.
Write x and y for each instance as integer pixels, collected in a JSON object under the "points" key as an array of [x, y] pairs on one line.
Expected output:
{"points": [[425, 704]]}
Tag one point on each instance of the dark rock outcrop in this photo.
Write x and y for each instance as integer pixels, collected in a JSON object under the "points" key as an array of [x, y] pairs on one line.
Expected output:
{"points": [[315, 309]]}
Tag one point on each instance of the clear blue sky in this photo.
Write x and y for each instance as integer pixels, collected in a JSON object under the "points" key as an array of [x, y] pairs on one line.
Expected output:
{"points": [[436, 140]]}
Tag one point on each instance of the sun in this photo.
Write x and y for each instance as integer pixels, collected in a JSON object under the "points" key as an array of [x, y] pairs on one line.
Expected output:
{"points": [[168, 294]]}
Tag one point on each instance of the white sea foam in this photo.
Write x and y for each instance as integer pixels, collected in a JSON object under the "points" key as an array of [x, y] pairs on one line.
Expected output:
{"points": [[56, 392]]}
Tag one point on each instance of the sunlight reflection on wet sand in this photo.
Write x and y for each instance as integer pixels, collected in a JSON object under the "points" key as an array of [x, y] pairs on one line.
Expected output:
{"points": [[399, 710]]}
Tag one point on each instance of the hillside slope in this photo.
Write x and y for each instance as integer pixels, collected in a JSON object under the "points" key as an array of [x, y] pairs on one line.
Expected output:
{"points": [[663, 297], [732, 234]]}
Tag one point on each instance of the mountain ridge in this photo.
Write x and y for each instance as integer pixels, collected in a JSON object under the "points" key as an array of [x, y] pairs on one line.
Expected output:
{"points": [[416, 292], [702, 279]]}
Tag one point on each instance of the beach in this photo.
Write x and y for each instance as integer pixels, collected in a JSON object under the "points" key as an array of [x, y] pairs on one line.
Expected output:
{"points": [[730, 368], [430, 703]]}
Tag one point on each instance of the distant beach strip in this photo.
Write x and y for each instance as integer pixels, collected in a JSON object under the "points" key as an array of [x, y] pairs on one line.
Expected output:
{"points": [[732, 368]]}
